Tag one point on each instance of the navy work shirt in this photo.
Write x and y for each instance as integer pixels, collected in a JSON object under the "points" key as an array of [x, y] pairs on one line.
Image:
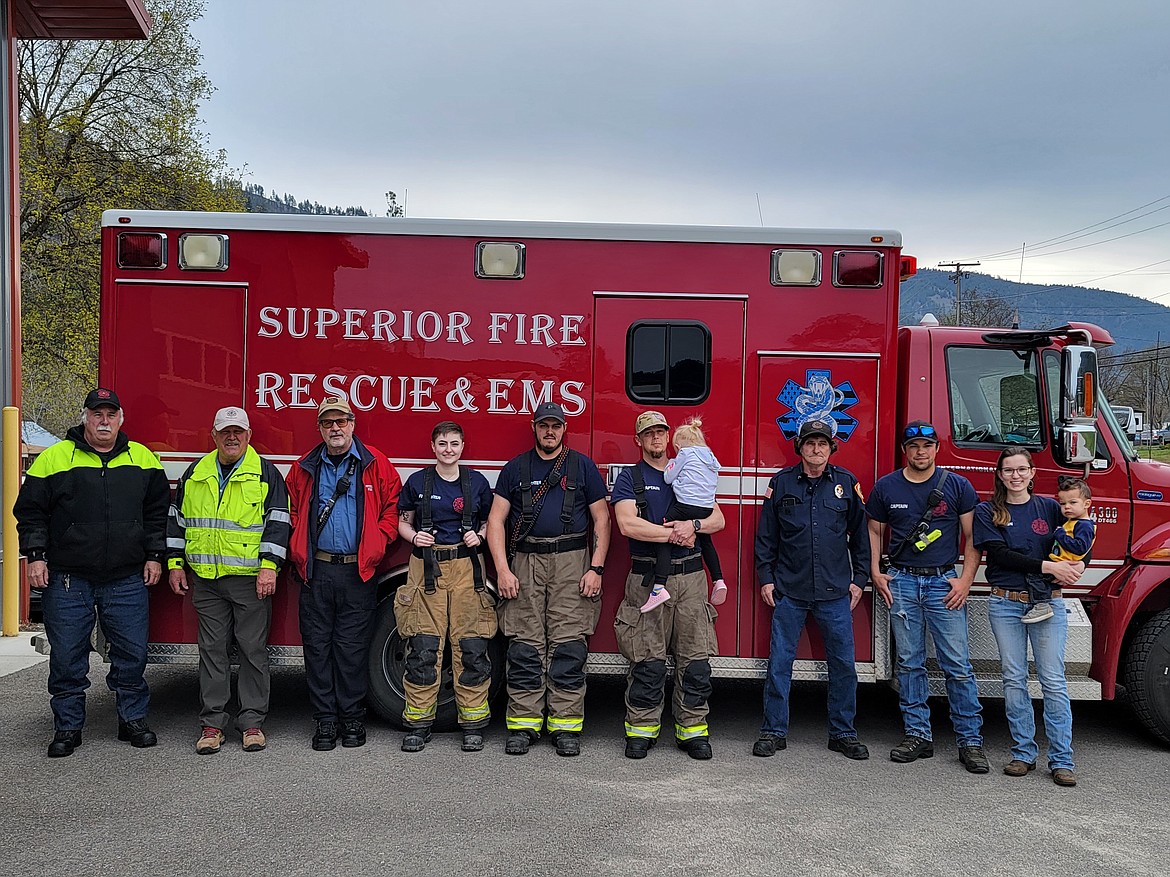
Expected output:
{"points": [[1029, 532], [446, 504], [590, 488], [659, 495], [813, 541], [901, 503]]}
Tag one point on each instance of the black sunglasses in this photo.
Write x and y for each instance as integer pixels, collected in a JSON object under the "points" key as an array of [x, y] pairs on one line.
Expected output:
{"points": [[912, 432]]}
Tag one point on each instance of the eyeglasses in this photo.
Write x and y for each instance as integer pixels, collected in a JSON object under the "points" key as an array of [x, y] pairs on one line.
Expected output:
{"points": [[913, 432], [329, 422], [1022, 470]]}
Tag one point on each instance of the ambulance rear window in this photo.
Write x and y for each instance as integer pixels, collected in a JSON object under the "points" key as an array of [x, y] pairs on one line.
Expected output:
{"points": [[668, 362]]}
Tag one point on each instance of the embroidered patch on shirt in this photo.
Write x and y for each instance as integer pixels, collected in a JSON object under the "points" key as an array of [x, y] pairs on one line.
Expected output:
{"points": [[839, 491]]}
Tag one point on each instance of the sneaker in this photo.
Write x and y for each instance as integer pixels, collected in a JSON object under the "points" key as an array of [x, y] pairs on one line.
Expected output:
{"points": [[911, 749], [638, 747], [850, 747], [1038, 612], [353, 733], [472, 741], [768, 745], [325, 736], [698, 748], [209, 741], [718, 592], [657, 597], [254, 740], [136, 733], [1017, 768], [1062, 776], [64, 742], [568, 744], [416, 740], [518, 742], [974, 759]]}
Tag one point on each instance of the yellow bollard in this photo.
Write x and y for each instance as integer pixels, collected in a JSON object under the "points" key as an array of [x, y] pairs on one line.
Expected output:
{"points": [[10, 461]]}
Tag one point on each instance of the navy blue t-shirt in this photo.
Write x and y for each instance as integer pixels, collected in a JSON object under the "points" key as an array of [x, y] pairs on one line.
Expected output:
{"points": [[1029, 533], [590, 488], [901, 503], [446, 504], [659, 495]]}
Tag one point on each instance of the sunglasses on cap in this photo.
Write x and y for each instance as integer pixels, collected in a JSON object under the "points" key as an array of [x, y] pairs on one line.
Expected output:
{"points": [[913, 432]]}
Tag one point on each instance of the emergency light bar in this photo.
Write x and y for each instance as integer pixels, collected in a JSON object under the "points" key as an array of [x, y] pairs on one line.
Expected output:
{"points": [[137, 249]]}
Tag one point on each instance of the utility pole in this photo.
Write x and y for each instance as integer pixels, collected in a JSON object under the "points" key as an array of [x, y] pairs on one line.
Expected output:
{"points": [[957, 278]]}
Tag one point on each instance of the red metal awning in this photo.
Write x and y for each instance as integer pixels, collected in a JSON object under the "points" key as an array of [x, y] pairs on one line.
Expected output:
{"points": [[80, 20]]}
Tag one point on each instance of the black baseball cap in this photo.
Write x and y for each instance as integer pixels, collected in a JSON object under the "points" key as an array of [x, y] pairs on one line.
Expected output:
{"points": [[101, 396], [815, 427], [549, 411], [919, 429]]}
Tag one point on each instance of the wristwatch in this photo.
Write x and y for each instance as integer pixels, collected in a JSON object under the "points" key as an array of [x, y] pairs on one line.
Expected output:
{"points": [[698, 525], [600, 570]]}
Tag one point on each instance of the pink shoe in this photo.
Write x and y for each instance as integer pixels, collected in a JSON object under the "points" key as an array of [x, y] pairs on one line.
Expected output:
{"points": [[657, 597], [718, 592]]}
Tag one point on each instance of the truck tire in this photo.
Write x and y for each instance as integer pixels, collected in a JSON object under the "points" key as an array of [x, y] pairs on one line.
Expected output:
{"points": [[387, 695], [1147, 675]]}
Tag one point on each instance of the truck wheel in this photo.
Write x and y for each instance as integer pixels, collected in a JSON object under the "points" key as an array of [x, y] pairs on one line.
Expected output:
{"points": [[387, 695], [1147, 675]]}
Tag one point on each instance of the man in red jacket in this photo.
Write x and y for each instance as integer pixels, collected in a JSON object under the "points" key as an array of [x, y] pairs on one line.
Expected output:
{"points": [[344, 500]]}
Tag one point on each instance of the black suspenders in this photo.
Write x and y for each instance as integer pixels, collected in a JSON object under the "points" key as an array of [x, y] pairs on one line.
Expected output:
{"points": [[431, 569]]}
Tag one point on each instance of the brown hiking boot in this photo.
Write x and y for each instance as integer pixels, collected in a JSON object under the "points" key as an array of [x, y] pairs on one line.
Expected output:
{"points": [[209, 741], [1017, 768], [1062, 776], [254, 740]]}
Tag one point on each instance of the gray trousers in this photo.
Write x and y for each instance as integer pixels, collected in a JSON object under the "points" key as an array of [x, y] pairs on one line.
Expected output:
{"points": [[228, 610]]}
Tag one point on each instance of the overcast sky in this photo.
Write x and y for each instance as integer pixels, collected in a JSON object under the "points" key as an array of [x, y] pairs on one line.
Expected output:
{"points": [[972, 132]]}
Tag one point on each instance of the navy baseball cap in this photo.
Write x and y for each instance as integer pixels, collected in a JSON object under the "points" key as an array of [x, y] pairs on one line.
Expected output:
{"points": [[919, 429], [549, 411], [815, 427]]}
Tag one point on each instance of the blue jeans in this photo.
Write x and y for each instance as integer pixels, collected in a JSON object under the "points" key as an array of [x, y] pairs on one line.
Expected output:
{"points": [[69, 604], [918, 604], [1048, 639], [835, 621]]}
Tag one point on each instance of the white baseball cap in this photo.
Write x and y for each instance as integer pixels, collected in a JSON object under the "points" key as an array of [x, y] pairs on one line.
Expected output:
{"points": [[231, 416]]}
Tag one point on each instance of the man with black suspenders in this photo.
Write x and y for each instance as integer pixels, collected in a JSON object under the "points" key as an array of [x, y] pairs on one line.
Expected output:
{"points": [[549, 575], [443, 513]]}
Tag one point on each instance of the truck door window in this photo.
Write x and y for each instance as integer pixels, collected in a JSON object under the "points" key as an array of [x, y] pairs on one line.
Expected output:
{"points": [[668, 361], [994, 396]]}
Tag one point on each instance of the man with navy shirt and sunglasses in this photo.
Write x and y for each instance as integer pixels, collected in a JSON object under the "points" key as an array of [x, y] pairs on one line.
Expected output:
{"points": [[926, 510]]}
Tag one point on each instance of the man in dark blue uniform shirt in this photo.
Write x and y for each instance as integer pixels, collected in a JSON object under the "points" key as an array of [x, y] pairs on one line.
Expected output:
{"points": [[812, 555]]}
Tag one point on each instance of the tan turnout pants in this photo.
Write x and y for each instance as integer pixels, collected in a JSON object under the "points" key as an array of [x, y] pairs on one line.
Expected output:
{"points": [[547, 625], [455, 612]]}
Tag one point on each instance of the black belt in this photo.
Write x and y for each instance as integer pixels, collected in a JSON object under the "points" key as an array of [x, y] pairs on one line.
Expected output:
{"points": [[553, 546], [442, 554], [693, 563], [924, 570], [327, 557]]}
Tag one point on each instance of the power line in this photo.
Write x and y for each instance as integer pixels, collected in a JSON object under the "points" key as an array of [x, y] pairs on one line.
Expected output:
{"points": [[957, 277]]}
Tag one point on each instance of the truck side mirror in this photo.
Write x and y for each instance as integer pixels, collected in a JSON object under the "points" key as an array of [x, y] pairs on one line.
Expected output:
{"points": [[1078, 385], [1078, 444]]}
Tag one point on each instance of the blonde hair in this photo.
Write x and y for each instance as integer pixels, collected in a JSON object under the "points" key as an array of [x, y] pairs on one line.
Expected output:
{"points": [[690, 434]]}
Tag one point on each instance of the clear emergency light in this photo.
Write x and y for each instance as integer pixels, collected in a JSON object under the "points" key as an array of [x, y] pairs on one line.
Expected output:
{"points": [[499, 260], [138, 249], [203, 252], [796, 268]]}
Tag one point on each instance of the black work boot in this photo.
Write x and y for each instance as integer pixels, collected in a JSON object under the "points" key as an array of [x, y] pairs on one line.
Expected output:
{"points": [[768, 745], [136, 733], [850, 747], [416, 740], [64, 742], [472, 741], [911, 749], [639, 747], [325, 735], [698, 748], [518, 742], [353, 733], [568, 743]]}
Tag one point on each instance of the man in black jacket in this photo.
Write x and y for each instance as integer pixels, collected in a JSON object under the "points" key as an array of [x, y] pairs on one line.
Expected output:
{"points": [[92, 521]]}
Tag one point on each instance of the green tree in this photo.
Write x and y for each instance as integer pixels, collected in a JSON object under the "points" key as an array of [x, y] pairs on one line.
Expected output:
{"points": [[102, 125], [980, 309]]}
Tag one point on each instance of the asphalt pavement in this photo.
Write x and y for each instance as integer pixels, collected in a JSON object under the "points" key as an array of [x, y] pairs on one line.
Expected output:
{"points": [[114, 810]]}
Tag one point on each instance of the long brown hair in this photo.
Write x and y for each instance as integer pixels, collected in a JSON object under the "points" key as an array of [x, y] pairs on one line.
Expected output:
{"points": [[1000, 516]]}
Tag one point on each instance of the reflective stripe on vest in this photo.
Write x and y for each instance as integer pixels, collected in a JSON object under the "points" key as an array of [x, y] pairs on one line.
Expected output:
{"points": [[223, 533]]}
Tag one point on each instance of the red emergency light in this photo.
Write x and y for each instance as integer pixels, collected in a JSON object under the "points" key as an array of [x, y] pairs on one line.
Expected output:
{"points": [[908, 267], [138, 249]]}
